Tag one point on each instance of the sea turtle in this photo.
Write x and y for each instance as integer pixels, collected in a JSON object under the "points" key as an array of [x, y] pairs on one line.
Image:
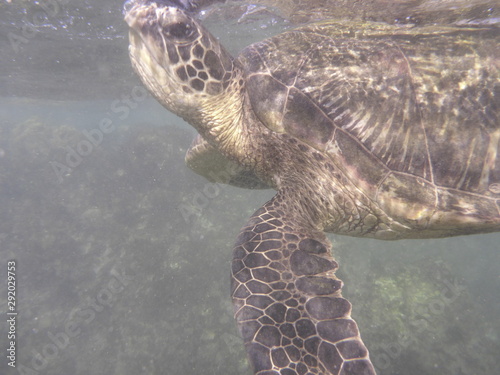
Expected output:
{"points": [[364, 129]]}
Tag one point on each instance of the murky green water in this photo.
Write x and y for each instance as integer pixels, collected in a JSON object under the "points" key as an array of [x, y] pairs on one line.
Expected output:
{"points": [[112, 278]]}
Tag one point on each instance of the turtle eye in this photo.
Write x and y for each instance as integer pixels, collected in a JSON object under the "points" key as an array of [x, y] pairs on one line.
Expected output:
{"points": [[180, 30]]}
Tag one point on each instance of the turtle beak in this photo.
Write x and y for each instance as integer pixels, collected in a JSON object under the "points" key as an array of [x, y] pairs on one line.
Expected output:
{"points": [[148, 42], [144, 30], [158, 28], [147, 47]]}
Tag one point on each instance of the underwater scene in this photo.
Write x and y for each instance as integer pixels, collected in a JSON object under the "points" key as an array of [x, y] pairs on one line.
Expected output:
{"points": [[115, 257]]}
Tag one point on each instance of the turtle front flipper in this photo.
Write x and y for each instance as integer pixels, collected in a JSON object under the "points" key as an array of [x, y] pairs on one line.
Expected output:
{"points": [[288, 302], [207, 161]]}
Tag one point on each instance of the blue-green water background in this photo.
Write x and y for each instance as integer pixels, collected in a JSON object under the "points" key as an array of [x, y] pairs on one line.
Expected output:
{"points": [[114, 278]]}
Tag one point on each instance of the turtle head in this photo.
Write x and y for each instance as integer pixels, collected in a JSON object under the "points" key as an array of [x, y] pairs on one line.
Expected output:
{"points": [[179, 61]]}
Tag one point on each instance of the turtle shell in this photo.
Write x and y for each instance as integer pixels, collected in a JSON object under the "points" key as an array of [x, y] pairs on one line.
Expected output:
{"points": [[405, 112]]}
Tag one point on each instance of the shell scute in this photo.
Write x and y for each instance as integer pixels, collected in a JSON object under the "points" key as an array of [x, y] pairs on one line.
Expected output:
{"points": [[300, 110], [268, 98]]}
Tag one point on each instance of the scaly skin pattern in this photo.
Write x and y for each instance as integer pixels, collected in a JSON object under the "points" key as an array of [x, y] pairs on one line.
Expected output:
{"points": [[287, 300]]}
